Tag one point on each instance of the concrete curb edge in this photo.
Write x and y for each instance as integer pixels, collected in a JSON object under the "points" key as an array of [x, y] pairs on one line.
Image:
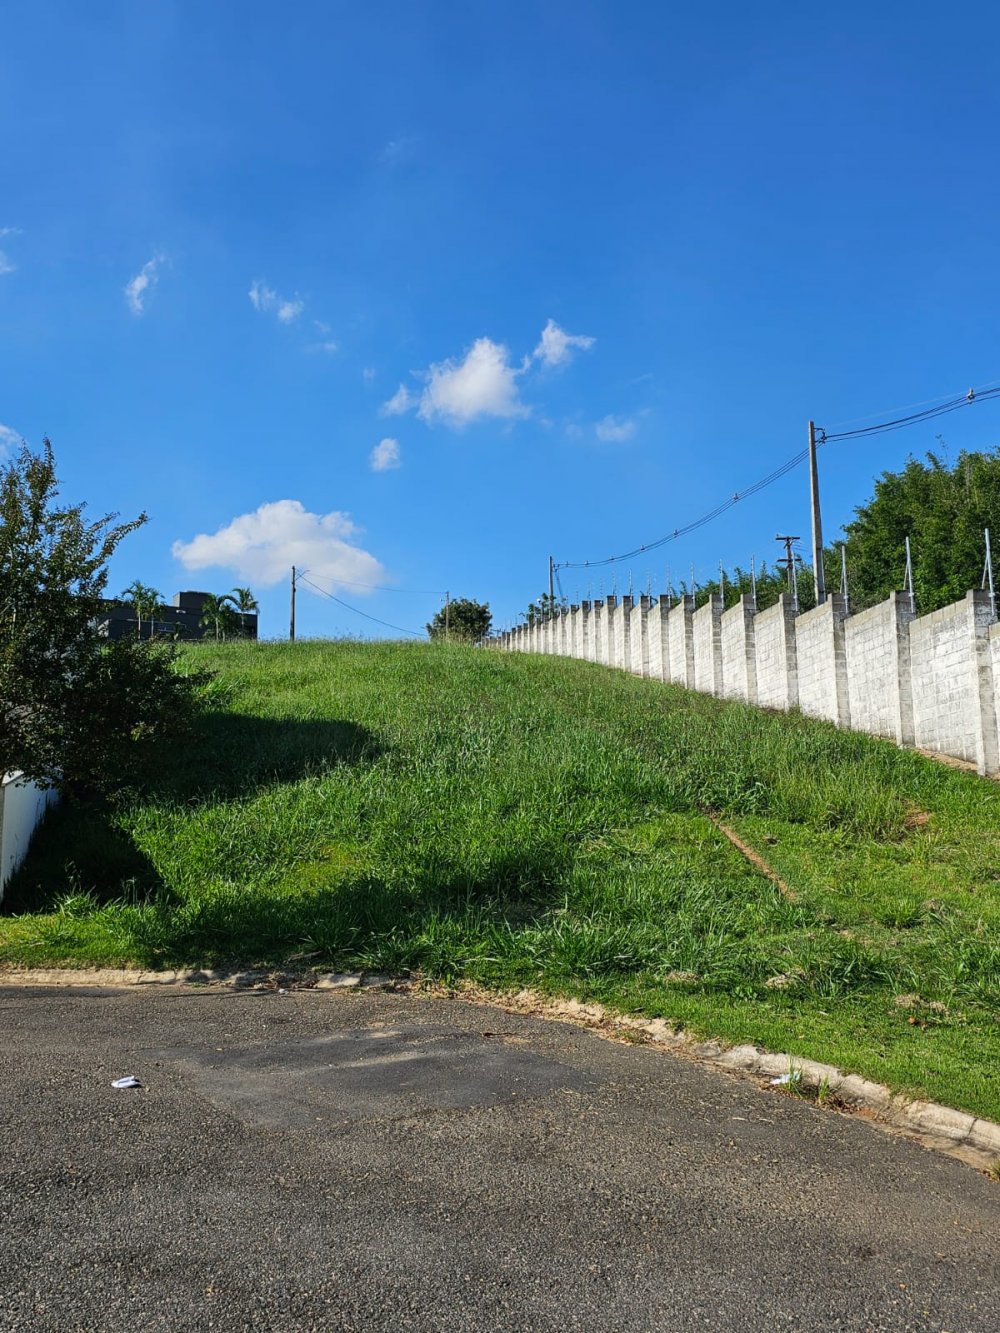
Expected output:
{"points": [[972, 1139]]}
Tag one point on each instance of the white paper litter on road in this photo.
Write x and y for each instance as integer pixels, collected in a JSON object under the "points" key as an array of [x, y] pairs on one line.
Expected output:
{"points": [[129, 1081], [785, 1078]]}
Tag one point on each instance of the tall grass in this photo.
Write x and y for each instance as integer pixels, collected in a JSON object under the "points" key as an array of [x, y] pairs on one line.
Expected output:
{"points": [[530, 821]]}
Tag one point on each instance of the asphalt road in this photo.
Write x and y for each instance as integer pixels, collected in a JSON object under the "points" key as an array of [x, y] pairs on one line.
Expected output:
{"points": [[374, 1161]]}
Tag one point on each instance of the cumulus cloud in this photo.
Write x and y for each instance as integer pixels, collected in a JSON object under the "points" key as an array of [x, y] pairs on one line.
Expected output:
{"points": [[137, 288], [261, 547], [482, 384], [9, 440], [555, 347], [385, 456], [267, 301], [615, 430], [401, 401]]}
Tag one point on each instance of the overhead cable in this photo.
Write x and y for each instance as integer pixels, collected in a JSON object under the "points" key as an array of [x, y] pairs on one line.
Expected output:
{"points": [[822, 437], [323, 593]]}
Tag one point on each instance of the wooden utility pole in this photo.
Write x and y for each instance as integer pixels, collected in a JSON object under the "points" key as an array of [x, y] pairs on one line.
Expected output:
{"points": [[291, 618], [817, 520], [447, 615], [552, 584]]}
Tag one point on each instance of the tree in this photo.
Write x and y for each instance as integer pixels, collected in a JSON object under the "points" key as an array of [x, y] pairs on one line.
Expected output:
{"points": [[217, 614], [145, 601], [244, 603], [75, 707], [545, 607], [466, 620], [943, 510], [243, 600]]}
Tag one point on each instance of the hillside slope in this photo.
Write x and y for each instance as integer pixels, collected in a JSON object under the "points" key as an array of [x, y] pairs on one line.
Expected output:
{"points": [[531, 821]]}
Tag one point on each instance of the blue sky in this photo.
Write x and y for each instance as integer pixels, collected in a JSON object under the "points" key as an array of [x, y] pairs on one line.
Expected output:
{"points": [[614, 255]]}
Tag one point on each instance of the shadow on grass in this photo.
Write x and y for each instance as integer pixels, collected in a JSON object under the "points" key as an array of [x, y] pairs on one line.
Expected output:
{"points": [[231, 755], [361, 922], [82, 849]]}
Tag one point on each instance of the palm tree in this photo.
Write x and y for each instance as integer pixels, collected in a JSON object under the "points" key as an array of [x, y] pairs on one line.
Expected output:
{"points": [[243, 599], [244, 602], [145, 602], [217, 614]]}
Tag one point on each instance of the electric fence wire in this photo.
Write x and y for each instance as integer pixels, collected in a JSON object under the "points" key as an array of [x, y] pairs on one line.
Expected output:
{"points": [[417, 634], [822, 437]]}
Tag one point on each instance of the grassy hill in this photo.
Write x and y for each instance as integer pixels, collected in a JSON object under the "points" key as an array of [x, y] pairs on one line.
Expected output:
{"points": [[529, 821]]}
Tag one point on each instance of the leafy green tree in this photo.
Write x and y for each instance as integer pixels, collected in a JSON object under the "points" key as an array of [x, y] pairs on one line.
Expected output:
{"points": [[545, 607], [466, 620], [76, 709], [145, 601], [943, 510]]}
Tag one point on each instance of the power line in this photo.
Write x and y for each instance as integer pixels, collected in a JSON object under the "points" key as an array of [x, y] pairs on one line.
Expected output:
{"points": [[942, 409], [323, 593], [377, 587], [879, 428]]}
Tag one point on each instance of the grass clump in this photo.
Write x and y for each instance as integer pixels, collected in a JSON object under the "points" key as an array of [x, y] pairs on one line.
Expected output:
{"points": [[520, 821]]}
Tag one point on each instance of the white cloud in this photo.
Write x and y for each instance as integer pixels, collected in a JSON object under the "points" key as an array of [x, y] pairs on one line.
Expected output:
{"points": [[483, 384], [7, 265], [267, 301], [9, 440], [401, 401], [615, 430], [136, 288], [385, 456], [262, 547], [289, 311], [368, 374], [555, 347], [397, 151]]}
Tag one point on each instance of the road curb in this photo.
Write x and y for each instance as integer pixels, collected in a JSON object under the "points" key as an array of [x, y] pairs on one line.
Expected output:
{"points": [[971, 1139]]}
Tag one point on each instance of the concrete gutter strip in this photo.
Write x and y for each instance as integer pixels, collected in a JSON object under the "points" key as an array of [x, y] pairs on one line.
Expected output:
{"points": [[967, 1137]]}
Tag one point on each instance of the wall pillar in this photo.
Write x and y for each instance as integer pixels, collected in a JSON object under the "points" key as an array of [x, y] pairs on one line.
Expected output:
{"points": [[706, 636], [681, 642]]}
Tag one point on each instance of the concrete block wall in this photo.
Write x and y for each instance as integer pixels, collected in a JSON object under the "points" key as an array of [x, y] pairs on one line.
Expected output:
{"points": [[736, 642], [774, 655], [658, 641], [821, 661], [952, 687], [22, 807], [933, 681], [706, 635], [877, 644], [639, 637], [621, 647], [680, 643]]}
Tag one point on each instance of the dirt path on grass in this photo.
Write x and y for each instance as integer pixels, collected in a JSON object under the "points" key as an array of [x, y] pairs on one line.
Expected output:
{"points": [[364, 1160]]}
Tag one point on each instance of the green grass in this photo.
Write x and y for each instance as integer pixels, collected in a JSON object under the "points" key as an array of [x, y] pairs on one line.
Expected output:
{"points": [[523, 821]]}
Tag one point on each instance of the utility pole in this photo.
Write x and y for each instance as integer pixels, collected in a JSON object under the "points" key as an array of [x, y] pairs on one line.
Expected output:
{"points": [[817, 520], [447, 615], [789, 560], [552, 584], [291, 619]]}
